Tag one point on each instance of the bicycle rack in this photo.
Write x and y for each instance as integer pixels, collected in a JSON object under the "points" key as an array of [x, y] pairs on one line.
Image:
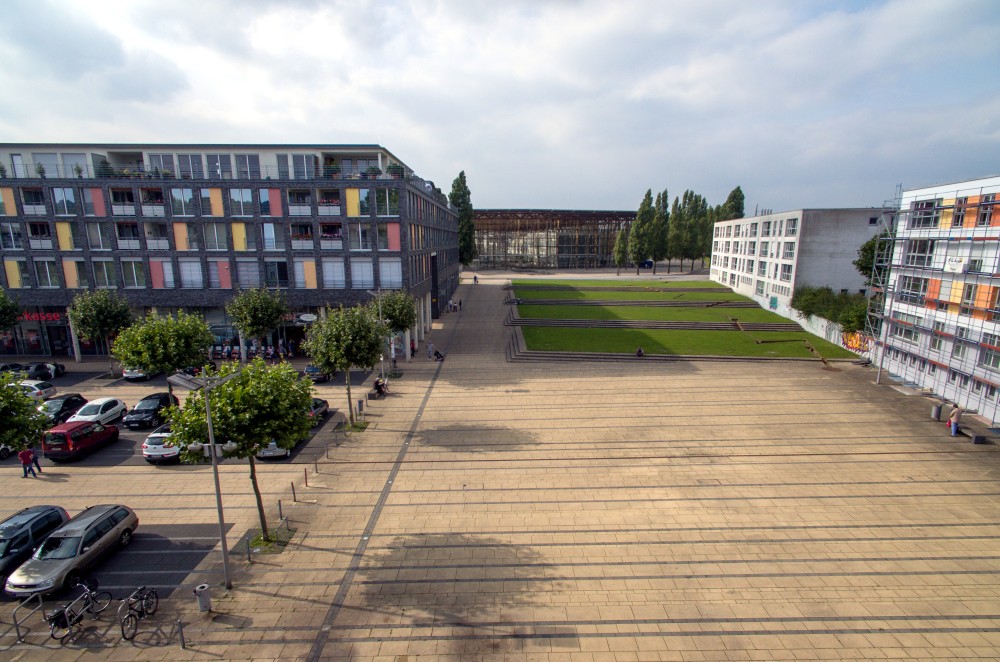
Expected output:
{"points": [[18, 621]]}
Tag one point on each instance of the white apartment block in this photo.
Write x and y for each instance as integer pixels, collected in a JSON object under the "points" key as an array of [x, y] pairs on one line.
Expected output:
{"points": [[767, 257], [941, 327]]}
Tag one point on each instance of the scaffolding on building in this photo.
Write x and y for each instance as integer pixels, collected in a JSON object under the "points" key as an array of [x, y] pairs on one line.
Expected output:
{"points": [[547, 238], [935, 305]]}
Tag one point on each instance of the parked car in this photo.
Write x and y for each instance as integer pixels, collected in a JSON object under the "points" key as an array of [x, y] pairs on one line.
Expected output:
{"points": [[74, 439], [316, 374], [195, 370], [103, 410], [24, 531], [139, 373], [12, 367], [46, 371], [5, 452], [318, 410], [273, 450], [37, 389], [148, 412], [61, 407], [72, 549], [159, 447]]}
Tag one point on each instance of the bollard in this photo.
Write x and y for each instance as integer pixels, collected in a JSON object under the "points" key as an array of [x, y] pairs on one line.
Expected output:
{"points": [[294, 500], [280, 515], [305, 473], [249, 552], [316, 466], [201, 591], [180, 631]]}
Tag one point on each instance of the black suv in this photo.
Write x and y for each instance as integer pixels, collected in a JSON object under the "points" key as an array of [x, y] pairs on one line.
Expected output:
{"points": [[61, 407], [148, 412], [25, 530]]}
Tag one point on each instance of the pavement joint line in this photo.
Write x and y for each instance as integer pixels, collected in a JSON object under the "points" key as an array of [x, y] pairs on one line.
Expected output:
{"points": [[316, 651]]}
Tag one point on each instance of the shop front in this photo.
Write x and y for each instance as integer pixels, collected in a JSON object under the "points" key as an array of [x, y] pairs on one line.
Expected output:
{"points": [[40, 331]]}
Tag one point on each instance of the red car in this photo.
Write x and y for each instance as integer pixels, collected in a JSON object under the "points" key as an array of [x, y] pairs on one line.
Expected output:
{"points": [[71, 441]]}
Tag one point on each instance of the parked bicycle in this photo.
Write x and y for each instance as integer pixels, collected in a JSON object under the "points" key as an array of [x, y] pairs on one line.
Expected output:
{"points": [[141, 604], [64, 620]]}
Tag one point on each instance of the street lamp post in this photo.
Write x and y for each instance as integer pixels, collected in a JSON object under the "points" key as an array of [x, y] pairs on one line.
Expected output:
{"points": [[206, 384], [378, 298]]}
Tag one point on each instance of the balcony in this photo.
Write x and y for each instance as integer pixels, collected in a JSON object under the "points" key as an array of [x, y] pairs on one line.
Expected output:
{"points": [[154, 209], [302, 243], [40, 244], [327, 209], [34, 210], [123, 210], [299, 210], [157, 244]]}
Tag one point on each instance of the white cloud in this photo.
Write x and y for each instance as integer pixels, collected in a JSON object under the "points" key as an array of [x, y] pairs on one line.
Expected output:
{"points": [[560, 104]]}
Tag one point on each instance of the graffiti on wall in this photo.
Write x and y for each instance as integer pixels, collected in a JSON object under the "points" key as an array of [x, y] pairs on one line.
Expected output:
{"points": [[856, 341]]}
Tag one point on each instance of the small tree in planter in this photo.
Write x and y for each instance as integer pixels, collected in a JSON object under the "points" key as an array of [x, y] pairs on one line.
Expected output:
{"points": [[3, 171], [331, 170], [395, 170], [78, 170], [40, 169], [373, 172]]}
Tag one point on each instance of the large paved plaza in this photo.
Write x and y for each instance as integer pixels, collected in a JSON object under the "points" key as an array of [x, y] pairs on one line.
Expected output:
{"points": [[731, 510]]}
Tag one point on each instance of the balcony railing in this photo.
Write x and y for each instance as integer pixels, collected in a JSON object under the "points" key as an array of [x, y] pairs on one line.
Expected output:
{"points": [[120, 171], [34, 210], [123, 210], [154, 209]]}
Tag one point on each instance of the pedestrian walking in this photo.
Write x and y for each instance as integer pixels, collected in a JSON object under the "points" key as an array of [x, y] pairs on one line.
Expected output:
{"points": [[459, 305], [25, 458], [291, 349], [475, 280], [954, 418], [413, 348], [34, 458], [430, 350]]}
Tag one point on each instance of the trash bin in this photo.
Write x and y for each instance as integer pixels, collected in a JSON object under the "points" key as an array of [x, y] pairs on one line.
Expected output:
{"points": [[361, 407], [201, 591], [979, 439], [936, 412]]}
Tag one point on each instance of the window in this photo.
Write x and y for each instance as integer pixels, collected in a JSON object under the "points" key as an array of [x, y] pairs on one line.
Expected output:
{"points": [[193, 236], [749, 267], [282, 166], [214, 279], [989, 353], [765, 229], [386, 202], [157, 235], [240, 202], [904, 327], [919, 253], [162, 164], [969, 291], [122, 196], [182, 201], [11, 236], [986, 210], [65, 201], [959, 349], [275, 273], [789, 252], [151, 196], [786, 272], [762, 269], [362, 275], [88, 201], [302, 235], [274, 237], [299, 269], [46, 274], [133, 274], [162, 270], [791, 227], [926, 214], [32, 197], [248, 166], [759, 290], [207, 208], [299, 202], [215, 237], [763, 249], [190, 273], [39, 235], [359, 236], [104, 274], [265, 201], [330, 235], [247, 274], [304, 166], [912, 289], [220, 166], [190, 166], [128, 235], [390, 272], [333, 274], [958, 216], [99, 236], [329, 202]]}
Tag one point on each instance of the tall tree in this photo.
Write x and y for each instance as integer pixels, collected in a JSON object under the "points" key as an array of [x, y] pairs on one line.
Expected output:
{"points": [[661, 208], [640, 237], [733, 206], [255, 313], [100, 314], [620, 255], [9, 311], [345, 338], [164, 344], [677, 232], [22, 422], [260, 405], [461, 199], [865, 264]]}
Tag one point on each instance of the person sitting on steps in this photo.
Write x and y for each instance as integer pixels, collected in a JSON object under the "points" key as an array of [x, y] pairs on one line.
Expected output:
{"points": [[438, 356], [381, 386]]}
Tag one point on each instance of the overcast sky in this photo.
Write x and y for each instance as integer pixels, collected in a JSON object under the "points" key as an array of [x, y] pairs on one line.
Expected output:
{"points": [[567, 104]]}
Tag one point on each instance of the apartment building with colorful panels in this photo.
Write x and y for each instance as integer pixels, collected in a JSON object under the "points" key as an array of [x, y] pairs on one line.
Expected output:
{"points": [[941, 325], [184, 226]]}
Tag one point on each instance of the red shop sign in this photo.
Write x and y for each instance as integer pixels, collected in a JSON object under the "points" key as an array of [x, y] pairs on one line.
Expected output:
{"points": [[40, 317]]}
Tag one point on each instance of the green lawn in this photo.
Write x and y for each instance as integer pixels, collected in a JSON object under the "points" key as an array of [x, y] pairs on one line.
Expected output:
{"points": [[615, 283], [691, 343], [670, 314], [644, 295]]}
